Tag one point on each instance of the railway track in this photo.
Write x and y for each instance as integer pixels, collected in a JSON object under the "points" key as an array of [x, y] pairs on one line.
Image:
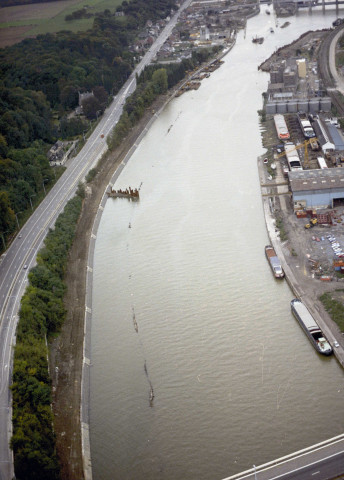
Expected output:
{"points": [[325, 74]]}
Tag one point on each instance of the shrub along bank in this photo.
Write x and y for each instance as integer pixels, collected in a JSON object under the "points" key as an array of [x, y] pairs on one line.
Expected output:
{"points": [[41, 315]]}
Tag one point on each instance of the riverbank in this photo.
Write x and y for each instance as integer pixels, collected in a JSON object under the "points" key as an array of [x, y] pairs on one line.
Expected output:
{"points": [[66, 352], [67, 355]]}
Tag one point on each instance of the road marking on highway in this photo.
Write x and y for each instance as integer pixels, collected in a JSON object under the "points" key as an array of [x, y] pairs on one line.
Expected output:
{"points": [[316, 473], [308, 465]]}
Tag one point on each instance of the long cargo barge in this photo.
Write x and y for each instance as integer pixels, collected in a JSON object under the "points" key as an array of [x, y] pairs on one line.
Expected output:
{"points": [[310, 327], [305, 125], [281, 127], [274, 262]]}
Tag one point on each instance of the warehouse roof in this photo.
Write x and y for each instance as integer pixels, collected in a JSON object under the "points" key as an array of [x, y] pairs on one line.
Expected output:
{"points": [[323, 136], [336, 137], [316, 179]]}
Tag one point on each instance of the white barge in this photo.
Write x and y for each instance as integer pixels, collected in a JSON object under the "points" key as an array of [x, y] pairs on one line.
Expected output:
{"points": [[281, 127], [310, 327]]}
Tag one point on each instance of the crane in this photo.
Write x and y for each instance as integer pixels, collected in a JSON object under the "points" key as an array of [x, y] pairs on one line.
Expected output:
{"points": [[313, 142]]}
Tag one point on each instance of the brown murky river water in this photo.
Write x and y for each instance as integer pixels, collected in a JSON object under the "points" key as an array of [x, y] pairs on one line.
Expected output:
{"points": [[184, 302]]}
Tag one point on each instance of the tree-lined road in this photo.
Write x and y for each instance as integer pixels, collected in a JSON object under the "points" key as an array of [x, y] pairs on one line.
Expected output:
{"points": [[23, 250]]}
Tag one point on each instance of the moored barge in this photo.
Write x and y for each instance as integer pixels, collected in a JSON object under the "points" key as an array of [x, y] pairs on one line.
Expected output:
{"points": [[310, 327], [274, 262]]}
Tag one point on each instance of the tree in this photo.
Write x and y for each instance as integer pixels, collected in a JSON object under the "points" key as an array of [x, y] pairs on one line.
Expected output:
{"points": [[91, 106], [3, 146], [69, 96], [7, 216], [101, 95], [159, 80]]}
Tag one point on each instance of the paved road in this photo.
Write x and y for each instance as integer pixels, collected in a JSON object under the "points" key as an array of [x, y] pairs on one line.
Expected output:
{"points": [[23, 250], [322, 461]]}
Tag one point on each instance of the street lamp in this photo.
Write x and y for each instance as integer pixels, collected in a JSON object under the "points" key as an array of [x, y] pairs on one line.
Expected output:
{"points": [[31, 201], [45, 180], [16, 214]]}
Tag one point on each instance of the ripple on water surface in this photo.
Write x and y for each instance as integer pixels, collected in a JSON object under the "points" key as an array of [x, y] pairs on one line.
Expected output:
{"points": [[185, 302]]}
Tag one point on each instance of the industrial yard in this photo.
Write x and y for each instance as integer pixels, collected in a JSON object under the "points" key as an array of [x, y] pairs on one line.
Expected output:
{"points": [[302, 175], [304, 199]]}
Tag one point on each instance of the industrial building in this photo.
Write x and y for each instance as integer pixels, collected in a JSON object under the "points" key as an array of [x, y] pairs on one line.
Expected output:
{"points": [[313, 189], [329, 137], [290, 90], [286, 103]]}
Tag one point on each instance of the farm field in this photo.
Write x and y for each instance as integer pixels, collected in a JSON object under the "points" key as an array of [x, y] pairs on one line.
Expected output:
{"points": [[23, 21]]}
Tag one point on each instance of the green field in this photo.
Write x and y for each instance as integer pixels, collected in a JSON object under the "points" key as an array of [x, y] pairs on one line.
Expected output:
{"points": [[50, 17]]}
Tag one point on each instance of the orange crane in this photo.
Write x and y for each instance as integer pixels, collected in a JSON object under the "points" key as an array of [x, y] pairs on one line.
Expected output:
{"points": [[313, 142]]}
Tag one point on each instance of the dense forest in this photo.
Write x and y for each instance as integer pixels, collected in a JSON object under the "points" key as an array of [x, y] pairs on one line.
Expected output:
{"points": [[40, 81]]}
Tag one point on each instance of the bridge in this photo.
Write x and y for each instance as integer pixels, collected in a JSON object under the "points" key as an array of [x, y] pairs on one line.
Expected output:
{"points": [[310, 4], [322, 461]]}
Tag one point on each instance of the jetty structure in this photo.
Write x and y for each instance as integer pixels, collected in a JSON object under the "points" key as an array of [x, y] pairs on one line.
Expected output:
{"points": [[130, 193]]}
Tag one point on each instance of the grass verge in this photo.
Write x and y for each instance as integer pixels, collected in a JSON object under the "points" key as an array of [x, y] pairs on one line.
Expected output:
{"points": [[335, 308]]}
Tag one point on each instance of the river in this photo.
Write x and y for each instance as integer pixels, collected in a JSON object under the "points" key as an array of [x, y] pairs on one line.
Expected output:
{"points": [[184, 302]]}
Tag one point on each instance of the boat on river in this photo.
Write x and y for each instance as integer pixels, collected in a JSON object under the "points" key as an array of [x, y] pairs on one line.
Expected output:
{"points": [[274, 262], [259, 40], [310, 327]]}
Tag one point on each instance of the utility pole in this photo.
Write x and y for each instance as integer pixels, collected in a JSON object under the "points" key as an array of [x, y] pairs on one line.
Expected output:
{"points": [[45, 180], [16, 214], [31, 201]]}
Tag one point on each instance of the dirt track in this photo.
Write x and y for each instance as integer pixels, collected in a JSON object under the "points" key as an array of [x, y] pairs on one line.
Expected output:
{"points": [[66, 351]]}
